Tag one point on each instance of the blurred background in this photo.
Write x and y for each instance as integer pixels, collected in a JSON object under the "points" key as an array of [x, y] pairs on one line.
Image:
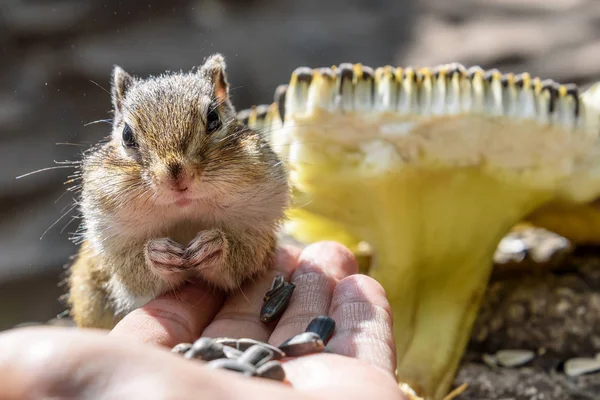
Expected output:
{"points": [[57, 58]]}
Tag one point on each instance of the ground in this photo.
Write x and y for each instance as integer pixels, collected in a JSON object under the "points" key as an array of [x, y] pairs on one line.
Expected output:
{"points": [[552, 311]]}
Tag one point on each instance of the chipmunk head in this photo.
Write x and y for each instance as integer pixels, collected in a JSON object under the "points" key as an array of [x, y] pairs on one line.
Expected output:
{"points": [[176, 135], [176, 143]]}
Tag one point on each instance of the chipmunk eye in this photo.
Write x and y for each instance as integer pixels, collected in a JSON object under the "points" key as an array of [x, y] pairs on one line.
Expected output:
{"points": [[213, 121], [128, 140]]}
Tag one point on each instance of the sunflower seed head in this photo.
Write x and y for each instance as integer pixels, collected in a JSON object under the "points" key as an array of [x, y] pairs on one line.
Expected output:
{"points": [[297, 93], [322, 326], [302, 344], [449, 89], [279, 99], [580, 366], [271, 370], [386, 92], [514, 358], [322, 91], [363, 87]]}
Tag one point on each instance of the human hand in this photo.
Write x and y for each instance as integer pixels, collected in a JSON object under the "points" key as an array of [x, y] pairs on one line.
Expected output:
{"points": [[133, 361]]}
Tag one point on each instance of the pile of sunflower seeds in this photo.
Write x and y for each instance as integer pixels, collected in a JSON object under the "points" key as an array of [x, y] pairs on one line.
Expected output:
{"points": [[251, 357]]}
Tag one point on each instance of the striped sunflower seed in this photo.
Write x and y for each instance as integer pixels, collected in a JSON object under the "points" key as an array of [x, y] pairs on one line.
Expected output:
{"points": [[181, 348], [276, 300], [231, 352], [244, 344], [205, 349], [303, 344], [243, 368], [271, 370], [256, 355], [322, 326]]}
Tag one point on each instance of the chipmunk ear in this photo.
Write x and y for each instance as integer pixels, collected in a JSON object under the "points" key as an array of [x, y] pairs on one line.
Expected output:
{"points": [[121, 82], [214, 70]]}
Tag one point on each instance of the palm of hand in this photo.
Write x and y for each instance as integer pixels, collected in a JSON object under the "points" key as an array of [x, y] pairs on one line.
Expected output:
{"points": [[326, 284]]}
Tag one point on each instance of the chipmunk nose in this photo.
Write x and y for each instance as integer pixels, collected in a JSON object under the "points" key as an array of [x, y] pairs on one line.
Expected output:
{"points": [[178, 186], [179, 180], [175, 168]]}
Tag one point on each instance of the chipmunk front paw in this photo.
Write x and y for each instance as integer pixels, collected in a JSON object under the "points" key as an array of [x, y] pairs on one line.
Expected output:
{"points": [[165, 257], [206, 250]]}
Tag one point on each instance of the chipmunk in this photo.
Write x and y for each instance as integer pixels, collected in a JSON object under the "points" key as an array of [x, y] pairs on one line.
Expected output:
{"points": [[182, 189]]}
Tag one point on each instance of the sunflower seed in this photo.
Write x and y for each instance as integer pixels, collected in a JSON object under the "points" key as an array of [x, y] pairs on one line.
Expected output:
{"points": [[181, 348], [514, 358], [245, 369], [302, 344], [490, 360], [205, 349], [244, 344], [271, 370], [277, 284], [256, 355], [225, 341], [276, 301], [581, 366], [231, 352], [322, 326]]}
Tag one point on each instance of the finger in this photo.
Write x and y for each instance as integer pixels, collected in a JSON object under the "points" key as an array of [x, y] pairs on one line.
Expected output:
{"points": [[175, 317], [320, 267], [332, 376], [363, 322], [240, 315]]}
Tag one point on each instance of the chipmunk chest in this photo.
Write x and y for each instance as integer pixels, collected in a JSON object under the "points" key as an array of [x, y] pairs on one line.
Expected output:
{"points": [[184, 231], [179, 226]]}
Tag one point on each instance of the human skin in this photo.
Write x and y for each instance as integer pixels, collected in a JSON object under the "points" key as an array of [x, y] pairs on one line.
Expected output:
{"points": [[133, 360]]}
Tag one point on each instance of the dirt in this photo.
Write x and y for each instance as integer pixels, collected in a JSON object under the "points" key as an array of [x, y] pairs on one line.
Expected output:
{"points": [[554, 312]]}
